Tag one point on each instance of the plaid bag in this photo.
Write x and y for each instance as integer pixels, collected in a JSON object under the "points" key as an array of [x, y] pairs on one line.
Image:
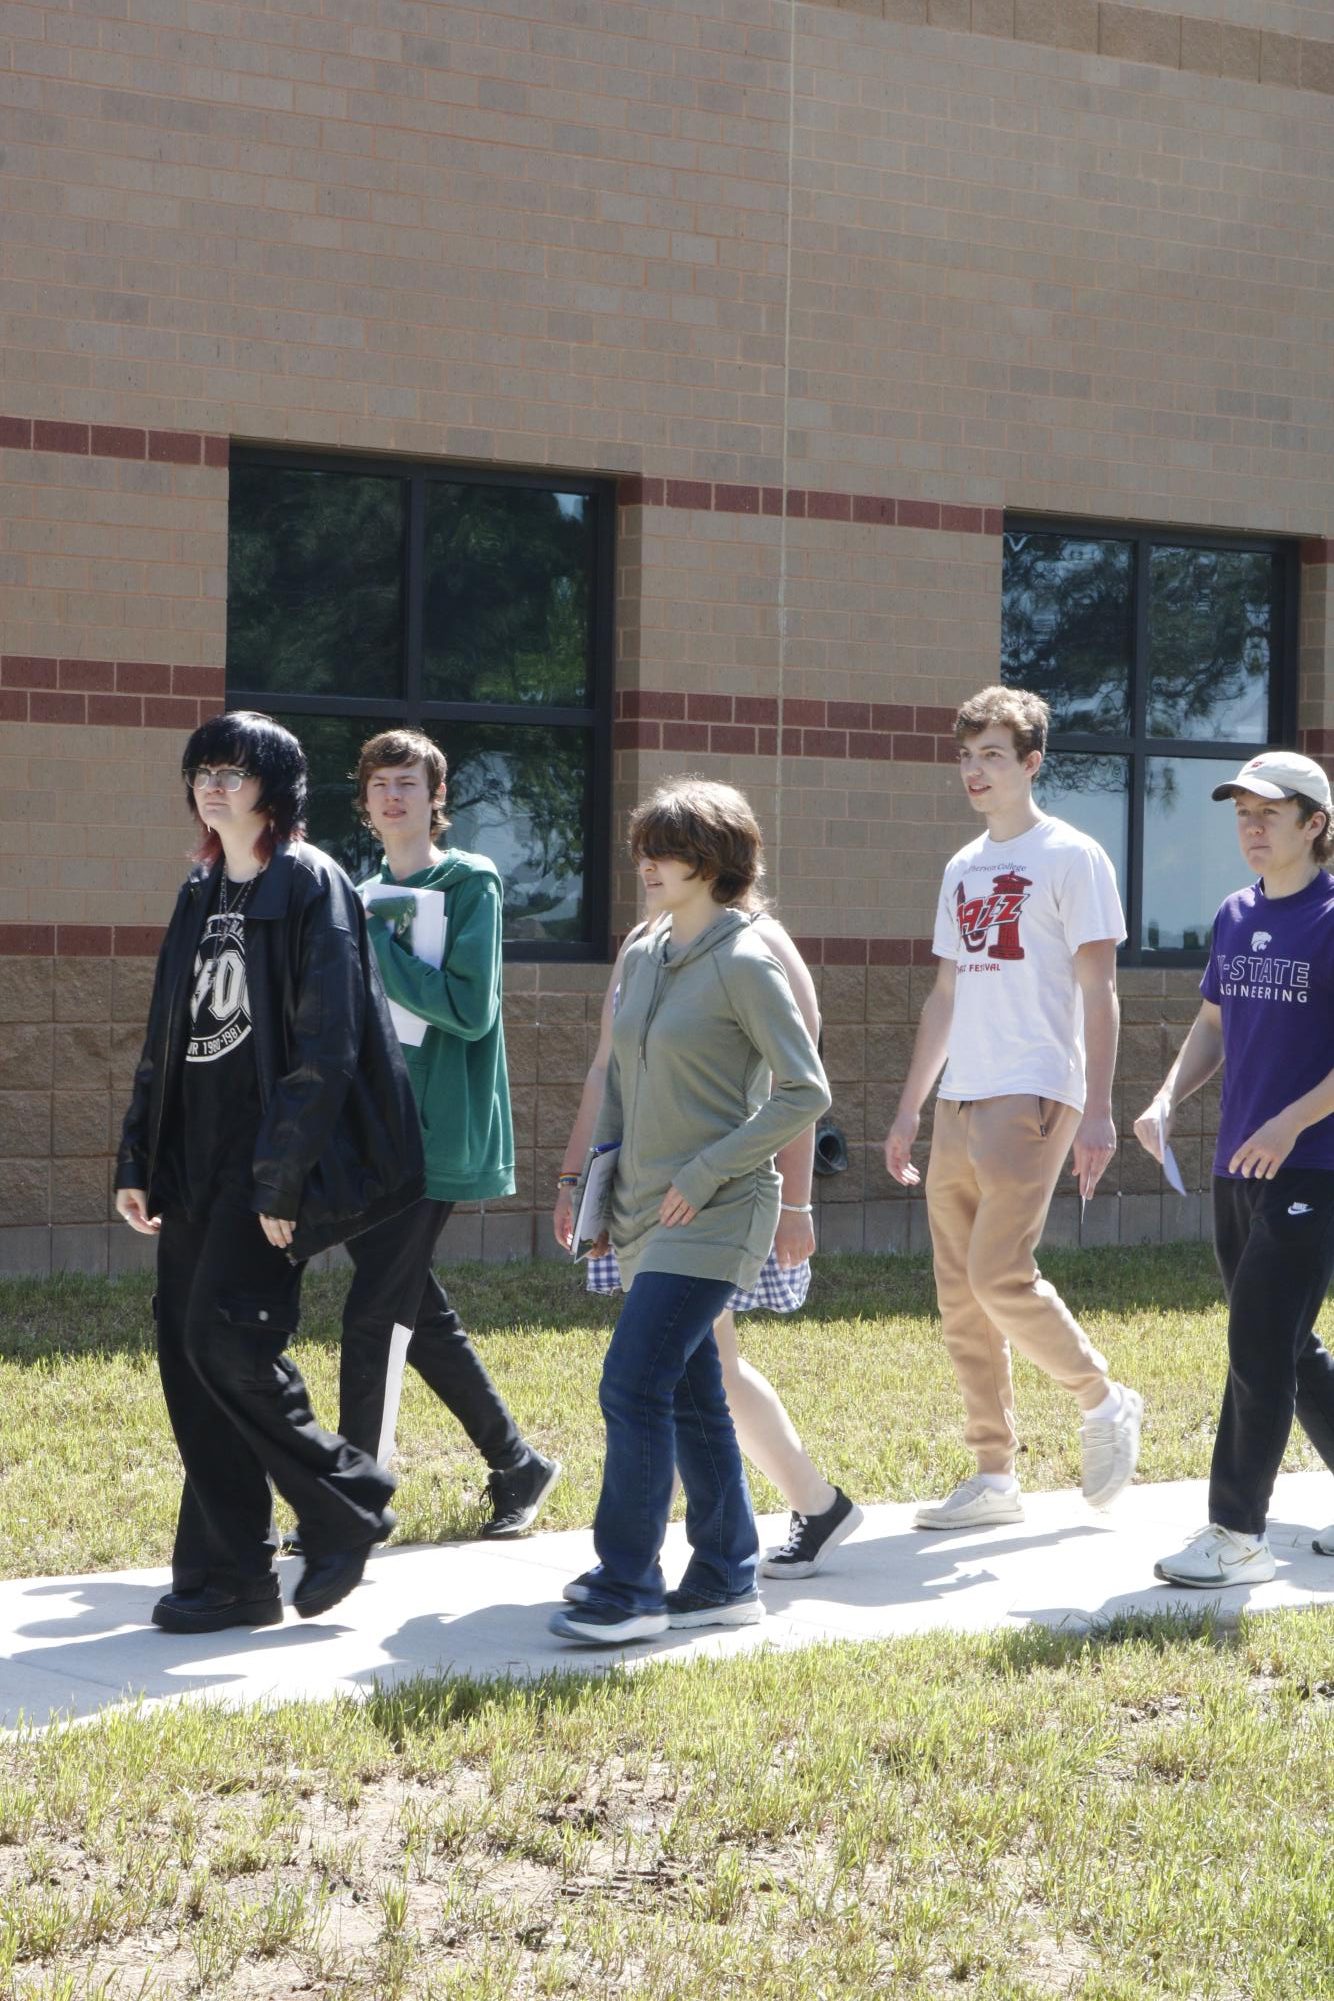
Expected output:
{"points": [[778, 1289]]}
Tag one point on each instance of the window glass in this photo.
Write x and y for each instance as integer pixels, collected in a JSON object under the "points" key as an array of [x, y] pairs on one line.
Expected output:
{"points": [[315, 581], [1210, 624], [331, 744], [506, 616], [1191, 856], [518, 796], [1067, 626], [1093, 794]]}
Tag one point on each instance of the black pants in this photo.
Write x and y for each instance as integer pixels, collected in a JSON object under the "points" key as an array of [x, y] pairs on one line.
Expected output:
{"points": [[395, 1286], [1275, 1246], [227, 1305]]}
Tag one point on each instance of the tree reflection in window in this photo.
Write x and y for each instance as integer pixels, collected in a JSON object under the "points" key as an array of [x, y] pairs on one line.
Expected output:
{"points": [[315, 582], [1210, 625], [506, 595], [1067, 626]]}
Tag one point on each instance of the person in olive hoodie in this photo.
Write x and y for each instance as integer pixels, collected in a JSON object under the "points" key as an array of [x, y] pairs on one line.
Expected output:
{"points": [[434, 917], [712, 1070], [270, 1118]]}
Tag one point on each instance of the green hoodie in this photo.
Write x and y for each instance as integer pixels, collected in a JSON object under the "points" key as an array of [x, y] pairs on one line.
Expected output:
{"points": [[695, 1040], [458, 1072]]}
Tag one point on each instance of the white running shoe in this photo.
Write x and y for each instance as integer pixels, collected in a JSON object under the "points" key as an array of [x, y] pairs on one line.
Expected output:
{"points": [[972, 1505], [1323, 1545], [1109, 1448], [1217, 1557]]}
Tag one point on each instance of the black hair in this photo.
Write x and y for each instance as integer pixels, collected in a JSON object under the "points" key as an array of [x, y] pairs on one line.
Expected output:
{"points": [[263, 749]]}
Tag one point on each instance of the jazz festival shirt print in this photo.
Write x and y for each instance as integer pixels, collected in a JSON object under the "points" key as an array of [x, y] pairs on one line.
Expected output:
{"points": [[1011, 916]]}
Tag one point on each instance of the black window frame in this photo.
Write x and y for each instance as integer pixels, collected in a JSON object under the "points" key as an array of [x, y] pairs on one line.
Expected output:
{"points": [[411, 709], [1139, 744]]}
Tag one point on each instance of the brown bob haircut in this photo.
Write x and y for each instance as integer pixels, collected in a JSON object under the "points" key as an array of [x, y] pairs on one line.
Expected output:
{"points": [[1022, 713], [712, 827], [393, 747]]}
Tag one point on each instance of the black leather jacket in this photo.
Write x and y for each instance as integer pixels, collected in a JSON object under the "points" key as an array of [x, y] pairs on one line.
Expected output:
{"points": [[339, 1145]]}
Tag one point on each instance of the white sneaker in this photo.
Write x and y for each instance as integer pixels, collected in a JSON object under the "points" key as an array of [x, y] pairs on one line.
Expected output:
{"points": [[1109, 1448], [1323, 1545], [1218, 1556], [972, 1505]]}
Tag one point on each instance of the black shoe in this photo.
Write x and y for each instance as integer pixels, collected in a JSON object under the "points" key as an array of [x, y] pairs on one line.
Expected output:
{"points": [[687, 1608], [811, 1537], [516, 1497], [327, 1580], [213, 1608]]}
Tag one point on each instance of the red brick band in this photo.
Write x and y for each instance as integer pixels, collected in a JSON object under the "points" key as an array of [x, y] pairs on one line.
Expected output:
{"points": [[1317, 550], [141, 941], [135, 694], [759, 725], [804, 503], [80, 941], [114, 441]]}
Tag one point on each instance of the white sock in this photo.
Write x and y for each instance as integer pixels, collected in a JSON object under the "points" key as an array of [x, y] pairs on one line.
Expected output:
{"points": [[1109, 1409], [1000, 1483]]}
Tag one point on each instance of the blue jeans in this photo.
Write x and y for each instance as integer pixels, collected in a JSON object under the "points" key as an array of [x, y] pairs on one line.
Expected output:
{"points": [[663, 1402]]}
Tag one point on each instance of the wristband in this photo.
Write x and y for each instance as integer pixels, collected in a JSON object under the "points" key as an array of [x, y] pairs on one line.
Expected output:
{"points": [[567, 1181], [798, 1208]]}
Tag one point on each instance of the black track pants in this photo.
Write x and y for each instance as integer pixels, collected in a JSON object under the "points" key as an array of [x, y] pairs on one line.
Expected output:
{"points": [[1275, 1246]]}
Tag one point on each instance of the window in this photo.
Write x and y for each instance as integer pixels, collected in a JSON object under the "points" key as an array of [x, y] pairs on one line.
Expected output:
{"points": [[473, 605], [1167, 660]]}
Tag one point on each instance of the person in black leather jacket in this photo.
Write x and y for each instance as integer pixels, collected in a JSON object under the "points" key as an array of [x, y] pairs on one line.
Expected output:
{"points": [[271, 1116]]}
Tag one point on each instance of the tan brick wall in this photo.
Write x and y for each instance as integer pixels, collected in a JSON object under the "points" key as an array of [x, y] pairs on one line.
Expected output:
{"points": [[970, 254]]}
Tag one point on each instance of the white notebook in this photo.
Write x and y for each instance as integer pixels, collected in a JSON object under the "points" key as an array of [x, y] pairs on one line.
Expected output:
{"points": [[417, 919]]}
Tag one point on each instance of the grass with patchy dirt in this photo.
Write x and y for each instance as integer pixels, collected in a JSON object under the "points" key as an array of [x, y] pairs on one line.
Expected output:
{"points": [[1006, 1818]]}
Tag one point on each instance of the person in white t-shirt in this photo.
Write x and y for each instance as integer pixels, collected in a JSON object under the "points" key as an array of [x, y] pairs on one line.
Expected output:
{"points": [[1023, 1018]]}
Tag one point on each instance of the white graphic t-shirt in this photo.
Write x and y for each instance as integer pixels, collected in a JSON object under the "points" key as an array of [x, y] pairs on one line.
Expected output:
{"points": [[1012, 915]]}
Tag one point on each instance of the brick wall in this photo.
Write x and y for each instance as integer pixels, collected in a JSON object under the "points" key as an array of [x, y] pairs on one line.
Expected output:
{"points": [[828, 286]]}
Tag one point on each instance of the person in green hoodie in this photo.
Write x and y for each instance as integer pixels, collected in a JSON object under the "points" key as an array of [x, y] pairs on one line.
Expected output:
{"points": [[712, 1071], [434, 921]]}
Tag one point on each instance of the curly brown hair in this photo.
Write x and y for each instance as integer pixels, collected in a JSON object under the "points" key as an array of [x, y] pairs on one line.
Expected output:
{"points": [[1024, 714]]}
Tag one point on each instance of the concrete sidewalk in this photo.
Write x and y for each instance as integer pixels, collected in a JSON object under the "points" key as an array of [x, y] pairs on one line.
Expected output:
{"points": [[73, 1645]]}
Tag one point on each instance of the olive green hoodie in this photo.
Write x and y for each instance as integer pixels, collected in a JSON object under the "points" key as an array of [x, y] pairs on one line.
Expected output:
{"points": [[458, 1072], [694, 1042]]}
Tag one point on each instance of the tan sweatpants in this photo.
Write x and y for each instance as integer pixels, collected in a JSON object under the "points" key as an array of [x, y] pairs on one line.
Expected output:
{"points": [[993, 1168]]}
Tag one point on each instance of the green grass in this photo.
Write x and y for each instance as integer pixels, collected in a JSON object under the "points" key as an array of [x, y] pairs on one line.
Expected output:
{"points": [[89, 1476], [1011, 1818]]}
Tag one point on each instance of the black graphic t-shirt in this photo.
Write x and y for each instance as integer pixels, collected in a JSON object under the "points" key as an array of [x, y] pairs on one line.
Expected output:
{"points": [[219, 1088]]}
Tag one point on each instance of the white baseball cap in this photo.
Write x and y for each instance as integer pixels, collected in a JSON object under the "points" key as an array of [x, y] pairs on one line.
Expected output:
{"points": [[1277, 774]]}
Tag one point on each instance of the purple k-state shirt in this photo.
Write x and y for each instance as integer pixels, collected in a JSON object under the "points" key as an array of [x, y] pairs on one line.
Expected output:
{"points": [[1271, 971]]}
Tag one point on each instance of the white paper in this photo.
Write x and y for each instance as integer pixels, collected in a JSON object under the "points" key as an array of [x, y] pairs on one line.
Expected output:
{"points": [[1169, 1159], [595, 1201], [419, 923]]}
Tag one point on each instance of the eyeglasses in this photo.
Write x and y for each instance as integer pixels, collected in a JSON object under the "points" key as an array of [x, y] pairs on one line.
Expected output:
{"points": [[227, 778]]}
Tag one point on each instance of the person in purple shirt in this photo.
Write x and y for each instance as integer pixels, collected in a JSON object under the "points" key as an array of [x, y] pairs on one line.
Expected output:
{"points": [[1267, 1018]]}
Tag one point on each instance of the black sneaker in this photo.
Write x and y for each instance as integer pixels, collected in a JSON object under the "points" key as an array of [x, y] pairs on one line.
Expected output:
{"points": [[605, 1625], [687, 1608], [811, 1537], [517, 1497]]}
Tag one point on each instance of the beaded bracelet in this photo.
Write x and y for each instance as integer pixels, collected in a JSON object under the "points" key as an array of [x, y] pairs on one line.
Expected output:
{"points": [[567, 1181]]}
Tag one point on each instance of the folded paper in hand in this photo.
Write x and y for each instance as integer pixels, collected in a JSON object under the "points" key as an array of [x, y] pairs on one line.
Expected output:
{"points": [[594, 1212], [1168, 1158]]}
